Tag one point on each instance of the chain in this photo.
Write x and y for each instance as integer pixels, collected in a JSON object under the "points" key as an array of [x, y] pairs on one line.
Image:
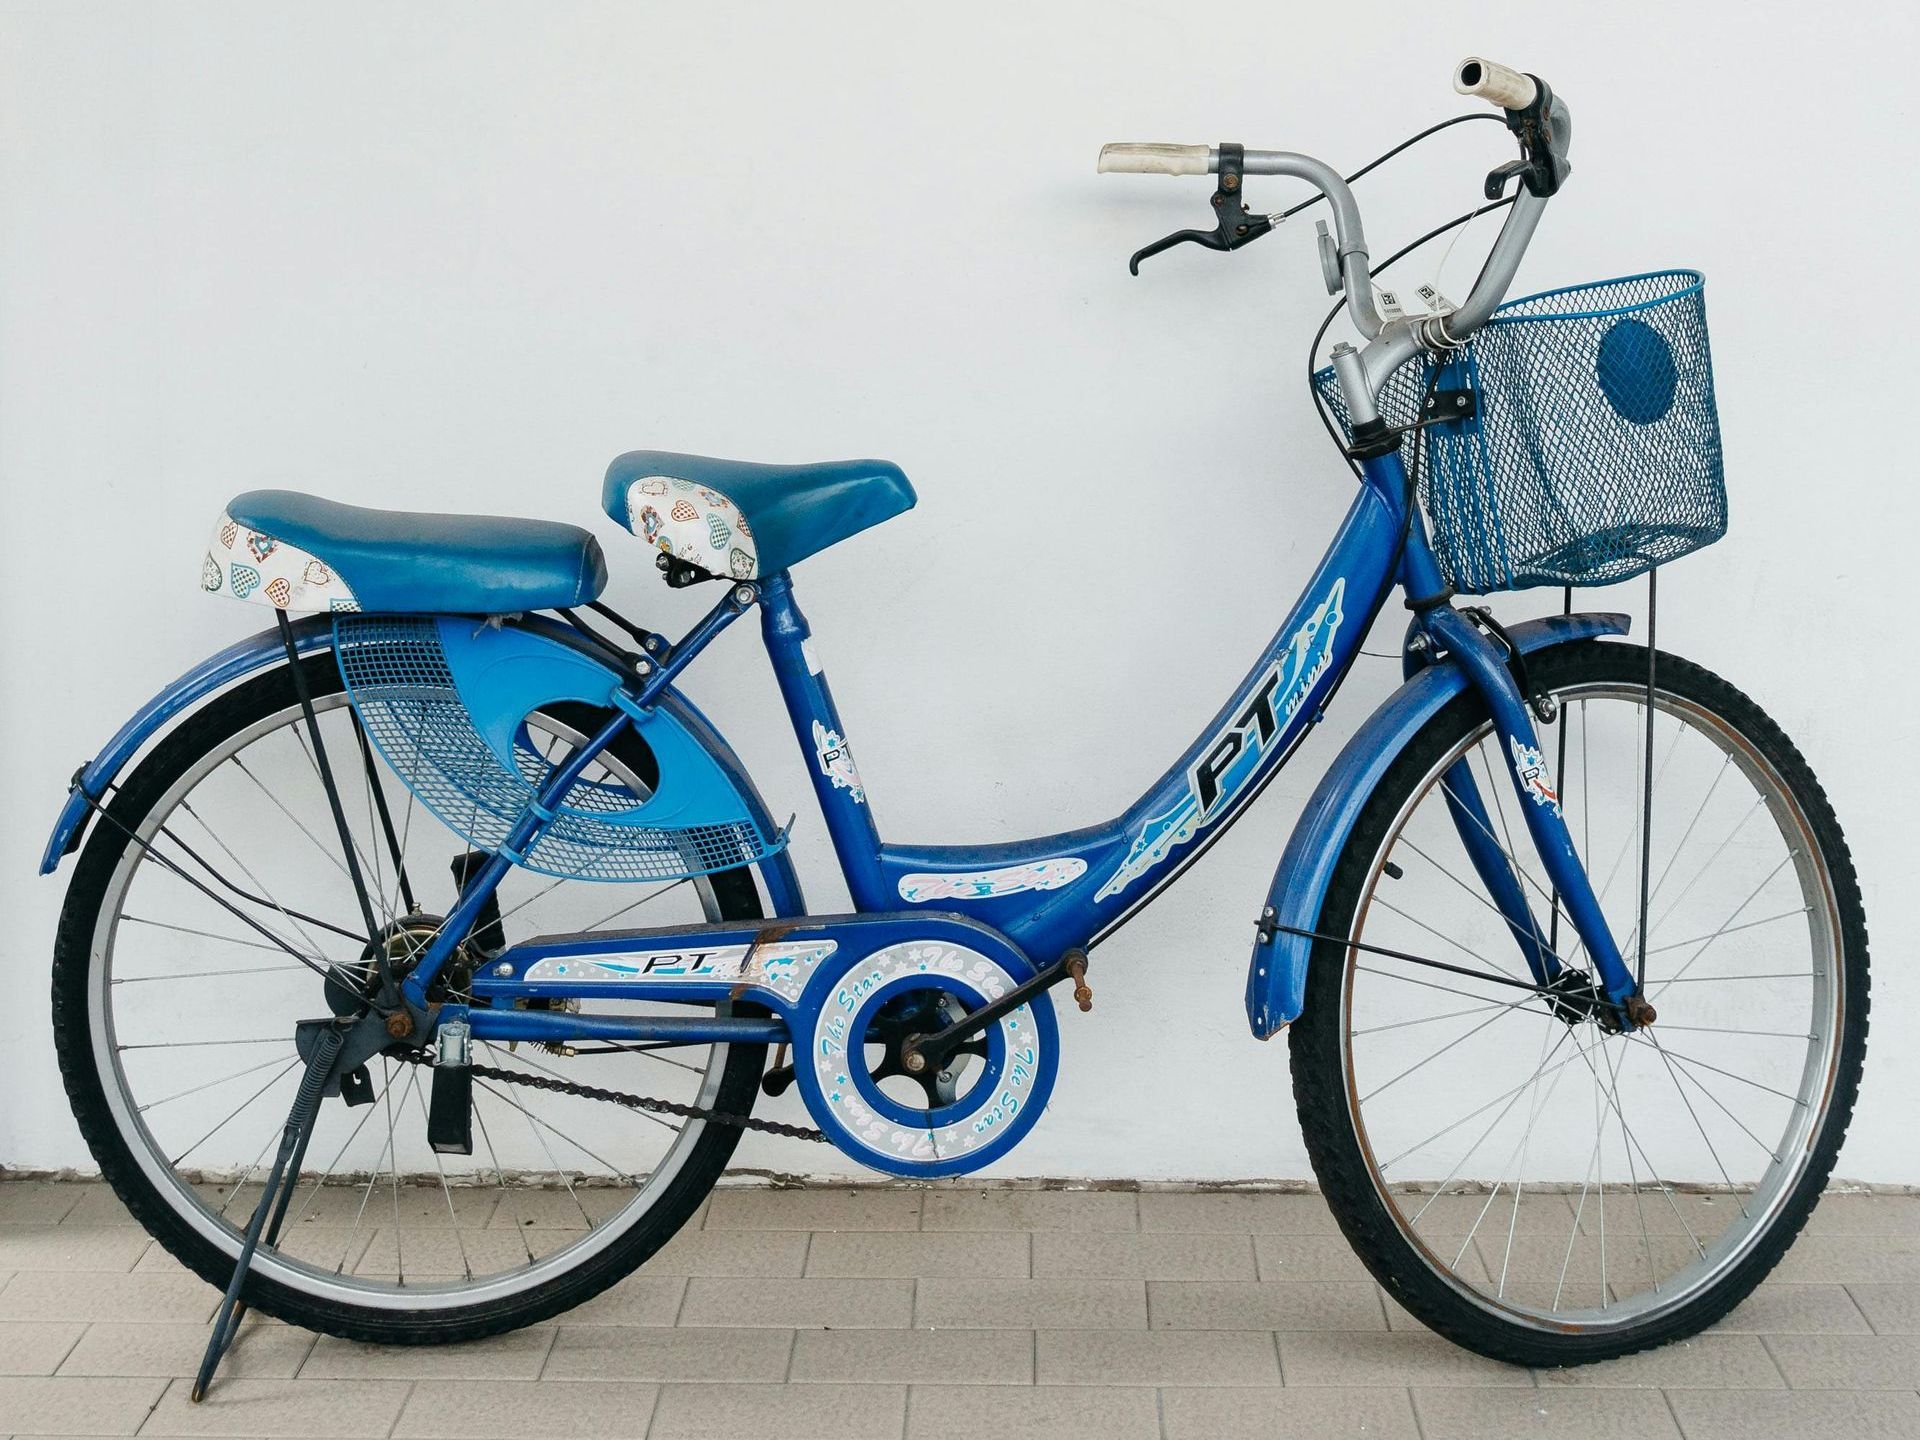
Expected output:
{"points": [[645, 1103]]}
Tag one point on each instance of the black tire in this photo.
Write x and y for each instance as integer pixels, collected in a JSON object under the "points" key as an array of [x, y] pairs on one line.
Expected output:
{"points": [[215, 723], [1316, 1044]]}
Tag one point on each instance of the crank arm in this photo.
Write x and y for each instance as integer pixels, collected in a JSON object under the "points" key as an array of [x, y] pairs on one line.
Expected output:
{"points": [[932, 1052]]}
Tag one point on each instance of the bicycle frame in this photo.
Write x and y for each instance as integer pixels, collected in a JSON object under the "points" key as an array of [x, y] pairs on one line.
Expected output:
{"points": [[1061, 892]]}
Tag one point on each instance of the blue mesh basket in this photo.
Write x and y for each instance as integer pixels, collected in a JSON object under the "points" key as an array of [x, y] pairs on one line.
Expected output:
{"points": [[1593, 451]]}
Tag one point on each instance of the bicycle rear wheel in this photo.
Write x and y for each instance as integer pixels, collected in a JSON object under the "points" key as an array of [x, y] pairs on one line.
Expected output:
{"points": [[174, 1005], [1520, 1176]]}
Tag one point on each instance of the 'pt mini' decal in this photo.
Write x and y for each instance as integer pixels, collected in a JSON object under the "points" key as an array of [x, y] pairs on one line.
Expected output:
{"points": [[836, 762], [1236, 754], [985, 884], [1531, 766], [781, 968]]}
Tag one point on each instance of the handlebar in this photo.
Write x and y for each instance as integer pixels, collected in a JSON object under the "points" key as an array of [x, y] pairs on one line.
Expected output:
{"points": [[1508, 89], [1538, 120]]}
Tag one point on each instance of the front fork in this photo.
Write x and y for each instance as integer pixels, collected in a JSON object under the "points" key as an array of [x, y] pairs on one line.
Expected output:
{"points": [[1485, 663]]}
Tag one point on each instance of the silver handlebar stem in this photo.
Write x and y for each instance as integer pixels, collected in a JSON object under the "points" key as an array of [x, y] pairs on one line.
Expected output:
{"points": [[1392, 346], [1349, 236]]}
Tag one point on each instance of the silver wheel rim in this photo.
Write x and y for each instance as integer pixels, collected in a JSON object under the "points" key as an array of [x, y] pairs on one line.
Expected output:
{"points": [[179, 1192], [1641, 1294]]}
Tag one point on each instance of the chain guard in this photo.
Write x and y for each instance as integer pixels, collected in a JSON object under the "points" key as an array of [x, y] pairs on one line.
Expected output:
{"points": [[997, 1100]]}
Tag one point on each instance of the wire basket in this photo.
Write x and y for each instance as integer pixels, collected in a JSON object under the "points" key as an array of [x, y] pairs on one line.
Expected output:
{"points": [[1592, 451], [420, 705]]}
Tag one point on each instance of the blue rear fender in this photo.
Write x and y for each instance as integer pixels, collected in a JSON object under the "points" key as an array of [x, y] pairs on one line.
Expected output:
{"points": [[1277, 977], [265, 650]]}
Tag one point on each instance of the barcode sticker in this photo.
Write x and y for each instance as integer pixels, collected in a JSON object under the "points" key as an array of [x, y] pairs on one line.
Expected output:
{"points": [[1436, 303]]}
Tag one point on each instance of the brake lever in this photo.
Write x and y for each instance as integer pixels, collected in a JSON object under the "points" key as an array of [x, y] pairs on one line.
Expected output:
{"points": [[1234, 224]]}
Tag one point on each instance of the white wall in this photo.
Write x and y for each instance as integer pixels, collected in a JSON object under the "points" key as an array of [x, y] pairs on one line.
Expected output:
{"points": [[459, 256]]}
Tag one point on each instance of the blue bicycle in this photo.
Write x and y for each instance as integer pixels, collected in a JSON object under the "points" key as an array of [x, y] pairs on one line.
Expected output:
{"points": [[356, 1021]]}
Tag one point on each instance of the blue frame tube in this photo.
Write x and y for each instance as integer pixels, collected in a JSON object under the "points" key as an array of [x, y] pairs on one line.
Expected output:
{"points": [[816, 725], [558, 1027]]}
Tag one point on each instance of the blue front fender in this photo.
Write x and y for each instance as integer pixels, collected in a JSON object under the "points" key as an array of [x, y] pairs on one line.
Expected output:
{"points": [[1277, 978]]}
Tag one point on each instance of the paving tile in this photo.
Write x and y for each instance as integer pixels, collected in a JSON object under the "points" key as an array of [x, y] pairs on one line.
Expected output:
{"points": [[1541, 1212], [625, 1352], [1460, 1414], [1317, 1257], [1389, 1358], [521, 1410], [1156, 1357], [1165, 1256], [637, 1300], [1008, 1412], [36, 1202], [262, 1351], [1890, 1309], [1704, 1362], [69, 1247], [1852, 1259], [1866, 1215], [907, 1357], [1796, 1415], [35, 1347], [36, 1405], [1031, 1304], [901, 1253], [1233, 1212], [770, 1253], [472, 1206], [1624, 1256], [1796, 1310], [1255, 1305], [517, 1355], [443, 1252], [798, 1304], [555, 1208], [348, 1409], [793, 1412], [44, 1296], [1848, 1362], [1079, 1211], [1294, 1414], [1665, 1211], [98, 1205], [154, 1260], [858, 1208]]}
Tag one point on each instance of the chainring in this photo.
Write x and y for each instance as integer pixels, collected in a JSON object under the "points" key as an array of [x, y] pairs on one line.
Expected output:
{"points": [[848, 1027]]}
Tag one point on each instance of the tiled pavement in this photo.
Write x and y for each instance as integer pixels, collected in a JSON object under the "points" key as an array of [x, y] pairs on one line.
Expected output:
{"points": [[944, 1312]]}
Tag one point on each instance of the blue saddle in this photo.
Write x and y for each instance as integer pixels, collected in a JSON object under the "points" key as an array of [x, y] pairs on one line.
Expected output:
{"points": [[743, 520], [397, 560]]}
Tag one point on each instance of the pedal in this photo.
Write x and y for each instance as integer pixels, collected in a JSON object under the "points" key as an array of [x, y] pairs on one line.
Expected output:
{"points": [[356, 1086], [450, 1108], [777, 1080]]}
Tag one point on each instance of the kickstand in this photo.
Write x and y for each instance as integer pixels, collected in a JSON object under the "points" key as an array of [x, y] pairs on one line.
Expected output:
{"points": [[282, 1180]]}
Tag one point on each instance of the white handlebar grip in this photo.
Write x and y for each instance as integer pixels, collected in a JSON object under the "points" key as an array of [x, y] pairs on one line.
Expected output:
{"points": [[1132, 158], [1508, 89]]}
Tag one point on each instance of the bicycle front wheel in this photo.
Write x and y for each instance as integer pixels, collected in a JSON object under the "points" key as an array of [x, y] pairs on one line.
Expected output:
{"points": [[1517, 1173], [211, 910]]}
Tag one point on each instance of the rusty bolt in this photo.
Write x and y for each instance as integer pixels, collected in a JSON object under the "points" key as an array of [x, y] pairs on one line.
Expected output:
{"points": [[399, 1025], [1229, 182]]}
